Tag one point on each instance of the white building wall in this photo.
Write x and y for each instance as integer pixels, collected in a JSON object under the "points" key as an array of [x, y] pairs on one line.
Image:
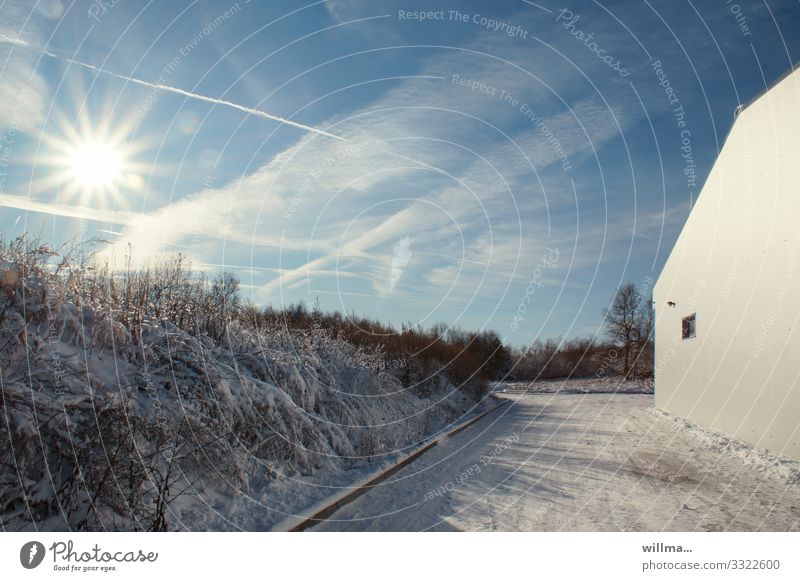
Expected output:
{"points": [[737, 266]]}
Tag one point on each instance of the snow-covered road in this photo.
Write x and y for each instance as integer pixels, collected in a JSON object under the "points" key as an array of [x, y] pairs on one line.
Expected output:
{"points": [[585, 462]]}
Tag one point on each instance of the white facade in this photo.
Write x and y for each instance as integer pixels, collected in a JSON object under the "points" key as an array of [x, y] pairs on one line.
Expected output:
{"points": [[736, 268]]}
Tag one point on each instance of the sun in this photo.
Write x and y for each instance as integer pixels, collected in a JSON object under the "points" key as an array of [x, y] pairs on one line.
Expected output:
{"points": [[96, 165], [92, 164]]}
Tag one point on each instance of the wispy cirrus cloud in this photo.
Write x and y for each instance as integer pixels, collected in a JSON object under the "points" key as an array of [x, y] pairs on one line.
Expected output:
{"points": [[23, 92], [427, 156], [469, 175]]}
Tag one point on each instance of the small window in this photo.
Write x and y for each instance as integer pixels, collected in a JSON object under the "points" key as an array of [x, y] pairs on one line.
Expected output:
{"points": [[688, 328]]}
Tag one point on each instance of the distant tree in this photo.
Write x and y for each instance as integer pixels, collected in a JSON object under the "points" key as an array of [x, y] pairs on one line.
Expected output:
{"points": [[629, 325]]}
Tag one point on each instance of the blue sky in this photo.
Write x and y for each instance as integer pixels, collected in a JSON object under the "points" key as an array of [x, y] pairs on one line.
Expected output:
{"points": [[493, 162]]}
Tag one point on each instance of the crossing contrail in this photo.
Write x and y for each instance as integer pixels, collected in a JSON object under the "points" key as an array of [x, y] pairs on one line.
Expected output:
{"points": [[170, 89]]}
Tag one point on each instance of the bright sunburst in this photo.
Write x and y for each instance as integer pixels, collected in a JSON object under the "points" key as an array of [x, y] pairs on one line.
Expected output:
{"points": [[96, 165], [90, 164]]}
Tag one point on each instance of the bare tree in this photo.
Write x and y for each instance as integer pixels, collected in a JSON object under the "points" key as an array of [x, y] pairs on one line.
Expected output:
{"points": [[624, 324]]}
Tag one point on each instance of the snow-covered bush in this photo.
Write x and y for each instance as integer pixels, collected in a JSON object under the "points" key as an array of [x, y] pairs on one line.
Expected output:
{"points": [[124, 392]]}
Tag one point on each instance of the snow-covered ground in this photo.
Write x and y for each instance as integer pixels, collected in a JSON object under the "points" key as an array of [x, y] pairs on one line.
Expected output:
{"points": [[145, 425], [603, 384], [287, 501], [585, 462]]}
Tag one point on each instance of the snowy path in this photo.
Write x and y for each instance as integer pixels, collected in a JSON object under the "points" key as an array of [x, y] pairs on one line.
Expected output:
{"points": [[576, 462]]}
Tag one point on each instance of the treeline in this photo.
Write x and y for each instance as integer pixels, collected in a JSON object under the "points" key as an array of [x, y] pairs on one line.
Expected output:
{"points": [[415, 353], [207, 306], [204, 305], [627, 348], [412, 353]]}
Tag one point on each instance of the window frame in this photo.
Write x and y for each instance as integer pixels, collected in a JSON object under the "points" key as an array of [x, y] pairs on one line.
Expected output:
{"points": [[689, 327]]}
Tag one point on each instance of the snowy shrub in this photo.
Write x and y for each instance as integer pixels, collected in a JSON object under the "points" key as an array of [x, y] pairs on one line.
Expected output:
{"points": [[127, 394]]}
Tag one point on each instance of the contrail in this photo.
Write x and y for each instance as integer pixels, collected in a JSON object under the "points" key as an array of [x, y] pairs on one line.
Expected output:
{"points": [[177, 91], [16, 41]]}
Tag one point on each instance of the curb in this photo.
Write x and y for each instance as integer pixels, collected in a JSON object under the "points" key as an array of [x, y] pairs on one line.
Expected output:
{"points": [[322, 514]]}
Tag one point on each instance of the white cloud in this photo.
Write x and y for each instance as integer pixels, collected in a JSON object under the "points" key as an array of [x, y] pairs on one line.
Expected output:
{"points": [[430, 159], [23, 93], [434, 154]]}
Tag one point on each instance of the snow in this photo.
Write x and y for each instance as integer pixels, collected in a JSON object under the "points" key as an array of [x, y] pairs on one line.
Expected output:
{"points": [[602, 384], [270, 425], [264, 424], [582, 462], [775, 465], [288, 501]]}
